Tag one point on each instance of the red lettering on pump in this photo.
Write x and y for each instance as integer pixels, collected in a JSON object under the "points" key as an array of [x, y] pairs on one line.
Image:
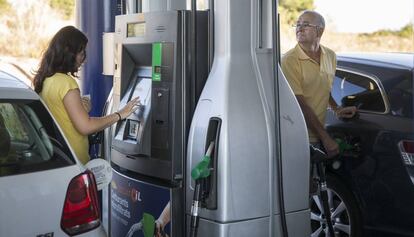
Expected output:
{"points": [[136, 195]]}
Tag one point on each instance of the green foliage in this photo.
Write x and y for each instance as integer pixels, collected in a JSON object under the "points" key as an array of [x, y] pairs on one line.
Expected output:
{"points": [[24, 30], [405, 32], [66, 7], [4, 6], [290, 9]]}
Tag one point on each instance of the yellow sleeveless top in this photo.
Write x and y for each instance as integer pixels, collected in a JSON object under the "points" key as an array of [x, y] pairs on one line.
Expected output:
{"points": [[54, 90]]}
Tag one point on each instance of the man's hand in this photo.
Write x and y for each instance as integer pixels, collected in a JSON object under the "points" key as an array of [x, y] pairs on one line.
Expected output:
{"points": [[346, 112], [331, 147]]}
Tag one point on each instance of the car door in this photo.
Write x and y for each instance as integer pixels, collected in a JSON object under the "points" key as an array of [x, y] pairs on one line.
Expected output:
{"points": [[36, 167], [376, 173]]}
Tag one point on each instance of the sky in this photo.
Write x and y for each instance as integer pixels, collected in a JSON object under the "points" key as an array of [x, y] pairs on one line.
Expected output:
{"points": [[357, 16]]}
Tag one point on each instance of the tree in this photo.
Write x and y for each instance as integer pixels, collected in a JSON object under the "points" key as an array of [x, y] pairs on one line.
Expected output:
{"points": [[4, 6], [66, 7], [406, 31], [290, 9]]}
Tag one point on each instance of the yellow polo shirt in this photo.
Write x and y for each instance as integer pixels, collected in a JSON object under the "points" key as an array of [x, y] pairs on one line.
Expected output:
{"points": [[311, 80], [54, 90]]}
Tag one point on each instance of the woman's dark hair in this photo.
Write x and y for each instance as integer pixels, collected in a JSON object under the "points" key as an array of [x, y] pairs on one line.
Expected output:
{"points": [[60, 55]]}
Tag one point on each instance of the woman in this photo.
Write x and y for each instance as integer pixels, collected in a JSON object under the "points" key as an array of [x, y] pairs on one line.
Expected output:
{"points": [[55, 84]]}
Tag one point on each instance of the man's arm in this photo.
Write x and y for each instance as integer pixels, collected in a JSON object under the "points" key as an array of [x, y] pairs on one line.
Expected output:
{"points": [[313, 123]]}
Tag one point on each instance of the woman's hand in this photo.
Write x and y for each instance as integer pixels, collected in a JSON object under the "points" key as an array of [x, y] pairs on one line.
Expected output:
{"points": [[129, 108], [86, 102]]}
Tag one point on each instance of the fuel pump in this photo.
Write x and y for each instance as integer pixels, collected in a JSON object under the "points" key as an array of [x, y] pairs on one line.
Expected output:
{"points": [[218, 119], [154, 61], [261, 159]]}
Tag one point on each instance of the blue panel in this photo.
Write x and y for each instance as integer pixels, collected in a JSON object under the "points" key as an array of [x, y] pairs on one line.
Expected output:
{"points": [[132, 201], [97, 16]]}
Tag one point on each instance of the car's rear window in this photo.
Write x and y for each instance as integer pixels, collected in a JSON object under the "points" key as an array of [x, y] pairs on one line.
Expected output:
{"points": [[353, 89], [400, 97], [29, 139]]}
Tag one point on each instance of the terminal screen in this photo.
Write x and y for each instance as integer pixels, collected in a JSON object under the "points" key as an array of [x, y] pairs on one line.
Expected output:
{"points": [[136, 29]]}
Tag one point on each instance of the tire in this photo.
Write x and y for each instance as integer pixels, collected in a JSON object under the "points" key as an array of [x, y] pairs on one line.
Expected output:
{"points": [[345, 213]]}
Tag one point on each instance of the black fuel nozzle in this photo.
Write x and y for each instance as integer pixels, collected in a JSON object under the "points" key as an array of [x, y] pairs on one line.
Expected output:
{"points": [[199, 173], [319, 160], [194, 209]]}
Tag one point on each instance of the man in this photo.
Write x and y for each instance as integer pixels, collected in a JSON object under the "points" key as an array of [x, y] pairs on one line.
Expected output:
{"points": [[310, 68]]}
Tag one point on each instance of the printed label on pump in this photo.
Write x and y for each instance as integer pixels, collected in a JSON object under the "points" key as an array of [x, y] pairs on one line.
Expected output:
{"points": [[138, 208], [102, 171]]}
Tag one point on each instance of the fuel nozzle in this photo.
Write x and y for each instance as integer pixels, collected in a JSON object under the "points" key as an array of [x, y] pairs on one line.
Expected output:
{"points": [[343, 145], [202, 169], [200, 172], [348, 147]]}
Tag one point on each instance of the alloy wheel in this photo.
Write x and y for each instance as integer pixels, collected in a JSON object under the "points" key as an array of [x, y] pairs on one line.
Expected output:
{"points": [[339, 212]]}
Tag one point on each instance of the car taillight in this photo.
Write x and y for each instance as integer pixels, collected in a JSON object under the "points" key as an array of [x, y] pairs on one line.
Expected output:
{"points": [[407, 151], [81, 209]]}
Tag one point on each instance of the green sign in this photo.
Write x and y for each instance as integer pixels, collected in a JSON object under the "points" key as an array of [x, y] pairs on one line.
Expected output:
{"points": [[156, 61]]}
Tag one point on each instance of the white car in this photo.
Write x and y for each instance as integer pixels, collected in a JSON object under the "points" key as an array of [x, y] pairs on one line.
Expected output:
{"points": [[44, 190]]}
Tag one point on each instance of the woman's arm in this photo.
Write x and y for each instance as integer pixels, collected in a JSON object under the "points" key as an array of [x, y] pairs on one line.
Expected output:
{"points": [[87, 125]]}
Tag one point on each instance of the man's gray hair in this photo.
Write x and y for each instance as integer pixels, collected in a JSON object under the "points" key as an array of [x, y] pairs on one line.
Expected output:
{"points": [[318, 16]]}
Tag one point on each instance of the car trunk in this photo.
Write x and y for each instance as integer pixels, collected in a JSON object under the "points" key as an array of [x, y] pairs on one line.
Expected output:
{"points": [[32, 203]]}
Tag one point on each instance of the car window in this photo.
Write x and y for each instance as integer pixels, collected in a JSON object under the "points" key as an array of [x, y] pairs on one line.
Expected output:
{"points": [[351, 89], [29, 139], [401, 98]]}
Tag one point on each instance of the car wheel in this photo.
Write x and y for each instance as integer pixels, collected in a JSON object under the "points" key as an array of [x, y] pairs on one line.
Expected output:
{"points": [[344, 211]]}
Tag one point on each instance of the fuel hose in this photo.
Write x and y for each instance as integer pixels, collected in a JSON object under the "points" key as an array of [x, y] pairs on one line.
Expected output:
{"points": [[198, 173]]}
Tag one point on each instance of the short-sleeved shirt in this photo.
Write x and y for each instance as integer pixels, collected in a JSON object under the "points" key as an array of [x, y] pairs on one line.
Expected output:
{"points": [[311, 80], [54, 90]]}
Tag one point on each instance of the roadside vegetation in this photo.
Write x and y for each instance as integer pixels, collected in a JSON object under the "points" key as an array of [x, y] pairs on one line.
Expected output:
{"points": [[379, 41], [385, 40], [27, 25]]}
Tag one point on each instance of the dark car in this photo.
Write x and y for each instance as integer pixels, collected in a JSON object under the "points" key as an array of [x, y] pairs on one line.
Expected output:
{"points": [[371, 185]]}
